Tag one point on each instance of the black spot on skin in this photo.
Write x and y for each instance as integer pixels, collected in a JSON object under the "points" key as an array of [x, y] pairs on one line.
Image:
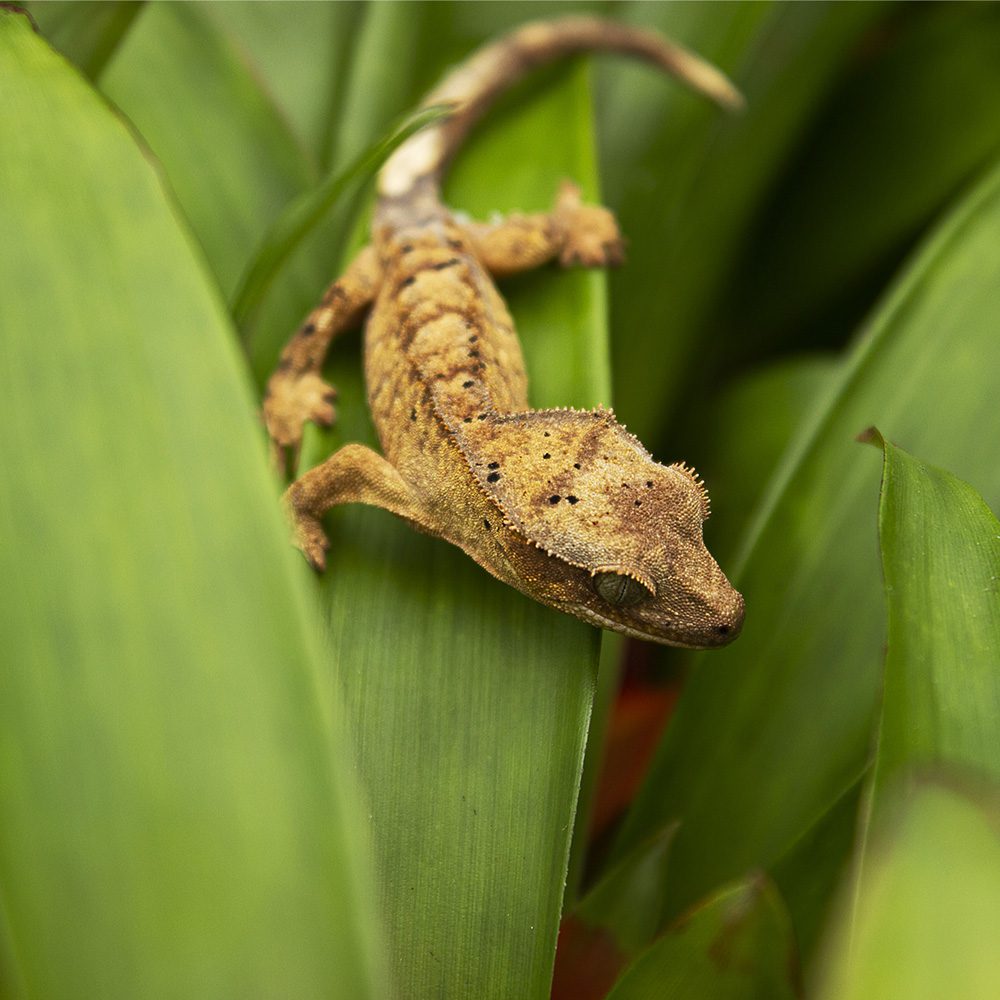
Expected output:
{"points": [[466, 420], [406, 248], [468, 385], [445, 263], [638, 503], [649, 484], [487, 525], [555, 498], [493, 465], [546, 434], [406, 282], [576, 465], [572, 499], [482, 416], [473, 353], [309, 329], [413, 413], [546, 455], [723, 630], [473, 338], [493, 477]]}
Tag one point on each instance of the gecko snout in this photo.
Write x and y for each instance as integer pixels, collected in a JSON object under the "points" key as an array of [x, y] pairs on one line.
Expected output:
{"points": [[730, 619]]}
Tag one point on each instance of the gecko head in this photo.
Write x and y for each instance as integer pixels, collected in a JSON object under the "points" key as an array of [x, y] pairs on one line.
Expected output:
{"points": [[609, 535], [667, 588]]}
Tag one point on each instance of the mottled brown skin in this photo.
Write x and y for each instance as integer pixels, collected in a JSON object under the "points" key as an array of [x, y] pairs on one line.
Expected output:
{"points": [[564, 505]]}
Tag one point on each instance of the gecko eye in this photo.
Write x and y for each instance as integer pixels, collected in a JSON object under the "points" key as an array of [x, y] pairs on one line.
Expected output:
{"points": [[620, 590]]}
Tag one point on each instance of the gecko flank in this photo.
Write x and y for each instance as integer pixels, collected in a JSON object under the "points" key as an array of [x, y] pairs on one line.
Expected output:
{"points": [[564, 505]]}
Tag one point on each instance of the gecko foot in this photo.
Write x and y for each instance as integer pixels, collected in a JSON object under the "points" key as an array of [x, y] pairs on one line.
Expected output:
{"points": [[309, 538], [290, 401], [592, 237]]}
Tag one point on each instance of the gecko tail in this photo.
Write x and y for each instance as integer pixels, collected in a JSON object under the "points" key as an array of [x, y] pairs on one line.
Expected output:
{"points": [[473, 86]]}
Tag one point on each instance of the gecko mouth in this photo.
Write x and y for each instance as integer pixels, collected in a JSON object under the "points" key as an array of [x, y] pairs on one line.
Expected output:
{"points": [[611, 625]]}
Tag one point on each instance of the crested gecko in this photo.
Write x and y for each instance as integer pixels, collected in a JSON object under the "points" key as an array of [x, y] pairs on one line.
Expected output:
{"points": [[565, 505]]}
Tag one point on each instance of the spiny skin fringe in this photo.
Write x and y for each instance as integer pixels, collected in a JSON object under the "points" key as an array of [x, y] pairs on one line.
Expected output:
{"points": [[690, 472]]}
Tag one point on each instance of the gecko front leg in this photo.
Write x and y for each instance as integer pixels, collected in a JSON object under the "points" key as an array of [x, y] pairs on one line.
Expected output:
{"points": [[354, 474], [296, 392], [573, 232]]}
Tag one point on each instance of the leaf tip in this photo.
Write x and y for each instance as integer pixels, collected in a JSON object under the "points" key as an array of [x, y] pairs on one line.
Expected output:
{"points": [[871, 435]]}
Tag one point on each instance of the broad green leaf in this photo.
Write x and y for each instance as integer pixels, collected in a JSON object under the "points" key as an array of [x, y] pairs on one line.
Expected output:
{"points": [[941, 565], [927, 920], [916, 121], [86, 33], [230, 158], [470, 702], [176, 796], [924, 911], [687, 179], [737, 945], [771, 731]]}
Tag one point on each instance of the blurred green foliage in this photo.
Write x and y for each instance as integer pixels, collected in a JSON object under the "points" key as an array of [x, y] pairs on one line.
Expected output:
{"points": [[220, 777]]}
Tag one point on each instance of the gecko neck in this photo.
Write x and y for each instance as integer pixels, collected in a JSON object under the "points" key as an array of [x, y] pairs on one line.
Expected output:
{"points": [[418, 206]]}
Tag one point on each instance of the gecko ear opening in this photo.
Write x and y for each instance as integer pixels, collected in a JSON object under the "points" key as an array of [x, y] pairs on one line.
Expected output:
{"points": [[623, 590]]}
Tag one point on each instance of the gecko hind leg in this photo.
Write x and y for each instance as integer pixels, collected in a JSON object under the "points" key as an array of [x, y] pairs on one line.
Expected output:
{"points": [[575, 233], [353, 474], [296, 393]]}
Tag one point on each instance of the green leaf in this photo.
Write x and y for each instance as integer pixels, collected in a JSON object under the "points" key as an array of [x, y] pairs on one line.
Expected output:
{"points": [[229, 156], [176, 796], [280, 42], [87, 34], [923, 915], [614, 922], [304, 214], [941, 564], [916, 121], [808, 874], [927, 920], [741, 454], [773, 730], [737, 945], [687, 179]]}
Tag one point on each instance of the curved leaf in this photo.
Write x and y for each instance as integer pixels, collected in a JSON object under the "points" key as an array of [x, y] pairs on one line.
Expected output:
{"points": [[775, 729], [176, 802], [941, 564]]}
